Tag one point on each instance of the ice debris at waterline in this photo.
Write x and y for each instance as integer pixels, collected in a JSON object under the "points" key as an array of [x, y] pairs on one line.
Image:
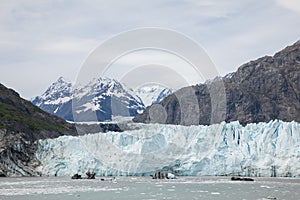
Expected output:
{"points": [[221, 149]]}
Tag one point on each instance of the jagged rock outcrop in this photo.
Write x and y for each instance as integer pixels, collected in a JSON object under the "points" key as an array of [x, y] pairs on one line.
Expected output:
{"points": [[261, 90]]}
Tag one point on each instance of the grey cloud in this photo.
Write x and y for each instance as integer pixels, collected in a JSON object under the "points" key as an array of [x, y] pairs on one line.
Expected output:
{"points": [[42, 40]]}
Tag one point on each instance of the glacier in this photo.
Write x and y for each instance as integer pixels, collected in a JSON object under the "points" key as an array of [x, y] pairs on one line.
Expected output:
{"points": [[141, 149]]}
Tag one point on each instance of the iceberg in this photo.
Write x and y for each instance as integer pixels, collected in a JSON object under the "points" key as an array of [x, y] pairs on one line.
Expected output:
{"points": [[263, 149]]}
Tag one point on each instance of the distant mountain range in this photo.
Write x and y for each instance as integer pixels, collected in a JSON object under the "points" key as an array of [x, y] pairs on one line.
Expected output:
{"points": [[261, 90], [151, 94], [99, 100]]}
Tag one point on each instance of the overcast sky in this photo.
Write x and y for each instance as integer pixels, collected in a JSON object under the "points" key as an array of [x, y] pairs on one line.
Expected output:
{"points": [[43, 40]]}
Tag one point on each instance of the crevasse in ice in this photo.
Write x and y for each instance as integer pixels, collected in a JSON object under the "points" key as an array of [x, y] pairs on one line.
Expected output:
{"points": [[220, 149]]}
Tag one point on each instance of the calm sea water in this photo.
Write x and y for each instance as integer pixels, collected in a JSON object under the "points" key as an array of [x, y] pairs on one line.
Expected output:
{"points": [[146, 188]]}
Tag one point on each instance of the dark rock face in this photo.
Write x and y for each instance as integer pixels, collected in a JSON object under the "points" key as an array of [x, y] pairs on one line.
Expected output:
{"points": [[83, 129], [266, 89], [21, 124], [17, 156], [261, 90]]}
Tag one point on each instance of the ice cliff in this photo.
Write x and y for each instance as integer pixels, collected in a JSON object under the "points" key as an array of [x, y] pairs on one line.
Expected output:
{"points": [[220, 149]]}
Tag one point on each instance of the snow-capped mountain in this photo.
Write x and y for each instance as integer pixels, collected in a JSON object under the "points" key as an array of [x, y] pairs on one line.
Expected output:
{"points": [[99, 100], [151, 94], [219, 149], [57, 99], [102, 99]]}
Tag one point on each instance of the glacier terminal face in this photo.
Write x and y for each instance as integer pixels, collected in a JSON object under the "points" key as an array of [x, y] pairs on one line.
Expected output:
{"points": [[220, 149]]}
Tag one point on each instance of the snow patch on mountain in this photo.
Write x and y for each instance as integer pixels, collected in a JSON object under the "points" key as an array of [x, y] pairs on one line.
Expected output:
{"points": [[58, 93], [220, 149], [153, 93]]}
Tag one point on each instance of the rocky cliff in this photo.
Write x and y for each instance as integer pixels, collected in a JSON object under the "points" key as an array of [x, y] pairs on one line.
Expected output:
{"points": [[21, 124], [259, 91]]}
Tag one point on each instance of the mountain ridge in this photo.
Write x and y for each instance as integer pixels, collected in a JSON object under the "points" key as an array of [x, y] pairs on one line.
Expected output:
{"points": [[98, 100], [261, 90], [101, 99]]}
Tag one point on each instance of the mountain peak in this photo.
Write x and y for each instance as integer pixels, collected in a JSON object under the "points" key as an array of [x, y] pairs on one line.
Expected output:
{"points": [[152, 93], [103, 97], [58, 93], [62, 80]]}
